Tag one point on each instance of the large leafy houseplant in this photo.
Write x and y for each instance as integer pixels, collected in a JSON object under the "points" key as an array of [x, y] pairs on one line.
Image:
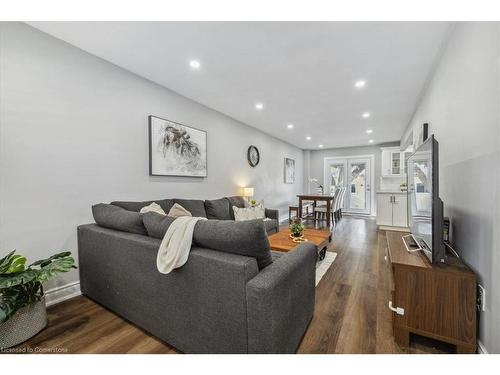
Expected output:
{"points": [[21, 285]]}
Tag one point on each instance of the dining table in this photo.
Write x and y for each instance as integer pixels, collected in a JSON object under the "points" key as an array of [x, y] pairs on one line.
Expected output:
{"points": [[317, 198]]}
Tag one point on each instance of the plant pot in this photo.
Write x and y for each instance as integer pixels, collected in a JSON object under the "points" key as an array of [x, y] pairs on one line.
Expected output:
{"points": [[24, 324]]}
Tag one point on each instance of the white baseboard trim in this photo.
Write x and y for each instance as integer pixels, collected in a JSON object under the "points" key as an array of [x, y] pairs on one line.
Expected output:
{"points": [[480, 348], [62, 293]]}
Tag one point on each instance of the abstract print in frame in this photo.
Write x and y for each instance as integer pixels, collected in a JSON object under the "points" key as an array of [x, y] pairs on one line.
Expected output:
{"points": [[176, 149], [289, 171]]}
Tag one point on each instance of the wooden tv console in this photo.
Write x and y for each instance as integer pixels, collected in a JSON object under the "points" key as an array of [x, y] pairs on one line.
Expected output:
{"points": [[436, 301]]}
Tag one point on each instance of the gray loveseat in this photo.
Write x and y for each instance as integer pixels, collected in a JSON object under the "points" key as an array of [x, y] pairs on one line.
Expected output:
{"points": [[218, 302]]}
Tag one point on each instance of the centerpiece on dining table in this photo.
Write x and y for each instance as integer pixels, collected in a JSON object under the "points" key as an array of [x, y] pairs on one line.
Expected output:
{"points": [[297, 230]]}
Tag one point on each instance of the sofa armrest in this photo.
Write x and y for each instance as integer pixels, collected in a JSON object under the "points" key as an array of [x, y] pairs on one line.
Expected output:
{"points": [[280, 302], [272, 214]]}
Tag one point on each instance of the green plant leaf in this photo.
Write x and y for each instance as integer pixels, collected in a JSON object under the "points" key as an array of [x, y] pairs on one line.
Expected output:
{"points": [[6, 261], [16, 265], [10, 280], [48, 260], [54, 268]]}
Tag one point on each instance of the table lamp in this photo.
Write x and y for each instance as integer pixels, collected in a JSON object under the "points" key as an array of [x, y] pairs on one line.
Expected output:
{"points": [[248, 193]]}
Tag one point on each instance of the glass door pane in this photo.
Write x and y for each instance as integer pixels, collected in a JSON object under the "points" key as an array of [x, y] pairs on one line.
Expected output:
{"points": [[337, 177], [396, 163], [358, 186], [354, 175], [359, 195]]}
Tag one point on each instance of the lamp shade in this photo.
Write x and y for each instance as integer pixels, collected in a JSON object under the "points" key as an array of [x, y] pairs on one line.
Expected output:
{"points": [[248, 192]]}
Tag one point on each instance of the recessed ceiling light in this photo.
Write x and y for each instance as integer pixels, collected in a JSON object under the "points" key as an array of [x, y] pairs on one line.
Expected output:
{"points": [[195, 64], [308, 138], [290, 126], [259, 106], [320, 146], [366, 115], [369, 131], [370, 141], [360, 84]]}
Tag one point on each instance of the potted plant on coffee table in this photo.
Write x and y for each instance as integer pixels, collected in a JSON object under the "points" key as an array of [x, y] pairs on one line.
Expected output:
{"points": [[22, 302], [297, 230]]}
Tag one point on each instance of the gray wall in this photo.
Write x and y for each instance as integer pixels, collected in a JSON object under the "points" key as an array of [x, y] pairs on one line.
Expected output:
{"points": [[316, 163], [73, 132], [461, 105]]}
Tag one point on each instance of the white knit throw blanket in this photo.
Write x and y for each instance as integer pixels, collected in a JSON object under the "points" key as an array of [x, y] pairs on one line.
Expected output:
{"points": [[176, 244]]}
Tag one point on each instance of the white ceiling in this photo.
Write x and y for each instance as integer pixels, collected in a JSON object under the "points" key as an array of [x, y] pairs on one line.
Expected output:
{"points": [[303, 72]]}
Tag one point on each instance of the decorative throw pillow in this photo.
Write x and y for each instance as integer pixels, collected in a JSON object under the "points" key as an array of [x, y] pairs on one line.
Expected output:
{"points": [[219, 209], [260, 210], [114, 217], [177, 211], [157, 224], [249, 213], [153, 207]]}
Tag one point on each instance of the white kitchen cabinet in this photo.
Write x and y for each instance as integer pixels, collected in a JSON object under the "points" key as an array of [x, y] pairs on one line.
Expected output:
{"points": [[392, 210], [384, 209], [399, 210], [386, 162], [394, 162]]}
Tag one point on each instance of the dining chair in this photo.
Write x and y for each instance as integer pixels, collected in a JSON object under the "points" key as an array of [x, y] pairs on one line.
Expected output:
{"points": [[320, 211], [291, 210], [340, 204]]}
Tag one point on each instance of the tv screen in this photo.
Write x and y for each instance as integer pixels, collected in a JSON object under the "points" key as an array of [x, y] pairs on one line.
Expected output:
{"points": [[425, 209]]}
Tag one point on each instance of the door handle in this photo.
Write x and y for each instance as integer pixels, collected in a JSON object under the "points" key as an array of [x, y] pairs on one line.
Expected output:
{"points": [[397, 310]]}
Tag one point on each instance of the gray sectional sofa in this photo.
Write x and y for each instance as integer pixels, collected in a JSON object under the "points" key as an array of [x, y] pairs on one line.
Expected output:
{"points": [[225, 299]]}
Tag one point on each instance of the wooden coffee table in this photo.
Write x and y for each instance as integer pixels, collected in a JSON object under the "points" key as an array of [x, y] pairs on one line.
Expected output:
{"points": [[281, 241]]}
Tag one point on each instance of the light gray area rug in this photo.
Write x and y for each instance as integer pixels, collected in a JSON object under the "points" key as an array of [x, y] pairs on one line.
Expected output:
{"points": [[323, 265]]}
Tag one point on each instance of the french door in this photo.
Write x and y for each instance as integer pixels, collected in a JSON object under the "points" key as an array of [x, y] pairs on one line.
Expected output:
{"points": [[353, 173]]}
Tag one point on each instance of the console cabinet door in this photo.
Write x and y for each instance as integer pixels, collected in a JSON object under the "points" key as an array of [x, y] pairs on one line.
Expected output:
{"points": [[399, 210], [384, 209]]}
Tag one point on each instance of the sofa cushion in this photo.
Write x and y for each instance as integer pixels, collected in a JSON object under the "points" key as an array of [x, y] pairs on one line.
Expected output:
{"points": [[114, 217], [247, 238], [195, 206], [165, 204], [218, 209], [236, 201], [271, 225], [156, 224]]}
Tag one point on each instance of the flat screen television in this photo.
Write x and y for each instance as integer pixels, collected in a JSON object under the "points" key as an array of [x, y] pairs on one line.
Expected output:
{"points": [[425, 208]]}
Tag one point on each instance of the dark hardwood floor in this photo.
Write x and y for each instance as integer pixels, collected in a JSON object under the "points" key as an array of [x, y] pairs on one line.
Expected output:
{"points": [[351, 314]]}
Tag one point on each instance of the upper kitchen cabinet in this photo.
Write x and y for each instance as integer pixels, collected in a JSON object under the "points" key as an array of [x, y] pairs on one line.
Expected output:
{"points": [[394, 161]]}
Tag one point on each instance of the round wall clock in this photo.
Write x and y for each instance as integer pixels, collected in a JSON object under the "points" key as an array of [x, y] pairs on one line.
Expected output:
{"points": [[253, 156]]}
